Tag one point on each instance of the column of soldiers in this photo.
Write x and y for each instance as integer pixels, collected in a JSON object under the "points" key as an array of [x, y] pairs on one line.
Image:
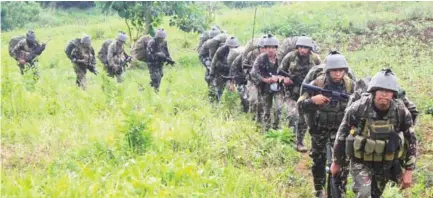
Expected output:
{"points": [[364, 127], [26, 50]]}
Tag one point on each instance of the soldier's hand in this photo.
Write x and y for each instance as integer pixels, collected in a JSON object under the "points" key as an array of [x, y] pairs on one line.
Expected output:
{"points": [[335, 169], [320, 99], [207, 63], [406, 179], [22, 61], [232, 87], [287, 81]]}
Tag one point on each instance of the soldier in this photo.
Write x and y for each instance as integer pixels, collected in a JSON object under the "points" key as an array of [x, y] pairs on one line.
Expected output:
{"points": [[327, 112], [269, 83], [83, 58], [219, 68], [239, 77], [26, 52], [207, 52], [157, 55], [208, 35], [289, 44], [375, 133], [247, 65], [117, 57], [296, 64]]}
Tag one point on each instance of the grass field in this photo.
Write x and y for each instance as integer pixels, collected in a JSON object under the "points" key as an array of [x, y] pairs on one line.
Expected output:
{"points": [[123, 140]]}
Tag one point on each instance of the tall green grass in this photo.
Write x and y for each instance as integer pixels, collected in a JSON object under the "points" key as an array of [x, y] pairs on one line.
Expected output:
{"points": [[123, 140]]}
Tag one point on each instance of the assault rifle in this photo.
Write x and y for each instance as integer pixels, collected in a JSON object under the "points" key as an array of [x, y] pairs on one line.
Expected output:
{"points": [[36, 52], [239, 79], [334, 95], [124, 62]]}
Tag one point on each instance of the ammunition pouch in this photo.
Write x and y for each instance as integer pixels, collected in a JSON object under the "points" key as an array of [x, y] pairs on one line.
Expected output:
{"points": [[368, 149]]}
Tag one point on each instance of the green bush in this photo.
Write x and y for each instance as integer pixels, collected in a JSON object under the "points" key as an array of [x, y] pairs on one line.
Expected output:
{"points": [[18, 14]]}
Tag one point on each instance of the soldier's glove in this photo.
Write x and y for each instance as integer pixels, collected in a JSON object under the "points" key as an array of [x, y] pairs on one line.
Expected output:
{"points": [[171, 62], [207, 63]]}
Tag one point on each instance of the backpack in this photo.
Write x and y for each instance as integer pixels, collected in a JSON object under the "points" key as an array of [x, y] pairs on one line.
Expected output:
{"points": [[250, 46], [72, 44], [13, 42], [102, 54], [233, 53], [138, 51], [289, 44]]}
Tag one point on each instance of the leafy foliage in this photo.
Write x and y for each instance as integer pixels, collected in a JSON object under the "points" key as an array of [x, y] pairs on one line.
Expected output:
{"points": [[246, 4], [16, 14], [144, 17]]}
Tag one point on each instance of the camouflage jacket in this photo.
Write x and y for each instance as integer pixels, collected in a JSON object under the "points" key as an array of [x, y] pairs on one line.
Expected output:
{"points": [[219, 63], [115, 54], [248, 62], [157, 52], [263, 68], [363, 109], [23, 49], [237, 72], [203, 52], [84, 53], [203, 38]]}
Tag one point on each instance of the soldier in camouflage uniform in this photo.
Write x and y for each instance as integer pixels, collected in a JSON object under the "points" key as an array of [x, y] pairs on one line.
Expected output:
{"points": [[289, 44], [207, 52], [297, 63], [375, 133], [219, 68], [269, 83], [83, 58], [157, 55], [252, 94], [327, 113], [239, 77], [116, 56], [22, 50], [208, 35]]}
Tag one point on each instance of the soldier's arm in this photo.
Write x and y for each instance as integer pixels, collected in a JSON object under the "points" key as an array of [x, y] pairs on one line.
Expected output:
{"points": [[75, 53], [305, 103], [256, 75], [309, 78], [166, 52], [150, 50], [236, 68], [348, 121], [248, 62], [285, 63], [410, 138], [215, 60], [93, 61], [411, 107]]}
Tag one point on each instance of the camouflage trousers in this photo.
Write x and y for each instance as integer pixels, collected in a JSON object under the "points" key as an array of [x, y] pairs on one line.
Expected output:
{"points": [[156, 74], [216, 88], [369, 179], [30, 67], [242, 91], [114, 71], [320, 137], [266, 100], [296, 119], [252, 97], [80, 71]]}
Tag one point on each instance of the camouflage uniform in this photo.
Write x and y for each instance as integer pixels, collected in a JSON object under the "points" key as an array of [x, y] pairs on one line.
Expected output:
{"points": [[371, 177], [23, 49], [263, 68], [327, 118], [240, 76], [220, 67], [289, 44], [252, 94], [86, 54], [207, 52], [157, 54], [115, 56], [297, 67]]}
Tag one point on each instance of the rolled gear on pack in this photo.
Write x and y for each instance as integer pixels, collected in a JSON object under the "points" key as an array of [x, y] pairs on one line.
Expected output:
{"points": [[13, 42], [216, 42], [253, 45], [72, 44], [234, 52], [138, 51]]}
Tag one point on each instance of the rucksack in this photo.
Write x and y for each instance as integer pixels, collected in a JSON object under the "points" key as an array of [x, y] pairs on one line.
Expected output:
{"points": [[138, 51], [250, 46], [72, 44], [13, 42], [233, 53], [102, 54]]}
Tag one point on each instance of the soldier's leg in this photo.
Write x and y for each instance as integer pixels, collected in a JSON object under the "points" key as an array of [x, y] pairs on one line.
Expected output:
{"points": [[279, 102], [81, 76], [260, 110], [21, 66], [292, 114], [362, 179], [267, 107], [212, 90], [319, 138], [252, 99], [243, 94], [220, 84], [155, 75], [380, 179], [301, 128]]}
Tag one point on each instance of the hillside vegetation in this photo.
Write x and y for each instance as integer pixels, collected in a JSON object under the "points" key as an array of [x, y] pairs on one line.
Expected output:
{"points": [[123, 140]]}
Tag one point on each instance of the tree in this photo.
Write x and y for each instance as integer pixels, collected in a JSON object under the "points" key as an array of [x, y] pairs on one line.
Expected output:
{"points": [[143, 17]]}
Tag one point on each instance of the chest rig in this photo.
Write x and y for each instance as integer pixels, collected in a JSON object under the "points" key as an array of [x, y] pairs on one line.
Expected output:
{"points": [[381, 138]]}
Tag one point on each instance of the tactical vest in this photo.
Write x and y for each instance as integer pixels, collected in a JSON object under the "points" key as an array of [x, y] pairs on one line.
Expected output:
{"points": [[268, 70], [380, 140], [299, 71], [331, 115]]}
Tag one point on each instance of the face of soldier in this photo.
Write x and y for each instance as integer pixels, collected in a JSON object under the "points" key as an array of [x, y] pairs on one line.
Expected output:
{"points": [[382, 99], [262, 49], [337, 74], [272, 51], [159, 40], [303, 51], [120, 43]]}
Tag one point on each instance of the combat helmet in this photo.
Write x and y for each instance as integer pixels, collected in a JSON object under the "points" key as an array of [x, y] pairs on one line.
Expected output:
{"points": [[30, 36], [160, 33], [304, 41], [262, 41], [232, 42], [213, 32], [384, 79], [335, 60], [271, 41], [122, 37]]}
